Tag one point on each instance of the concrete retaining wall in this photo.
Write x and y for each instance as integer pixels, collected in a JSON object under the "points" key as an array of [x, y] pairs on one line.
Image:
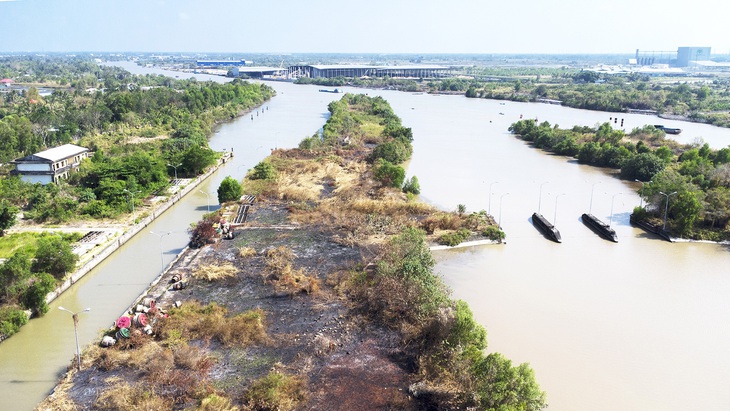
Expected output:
{"points": [[134, 230]]}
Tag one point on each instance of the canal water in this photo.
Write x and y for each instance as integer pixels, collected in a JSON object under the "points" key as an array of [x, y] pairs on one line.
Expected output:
{"points": [[641, 324]]}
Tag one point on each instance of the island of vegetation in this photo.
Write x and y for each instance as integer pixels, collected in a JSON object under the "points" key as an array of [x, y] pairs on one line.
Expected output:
{"points": [[325, 298], [143, 131], [689, 185]]}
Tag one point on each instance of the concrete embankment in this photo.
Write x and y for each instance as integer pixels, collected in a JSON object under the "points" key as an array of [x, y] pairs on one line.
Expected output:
{"points": [[134, 230]]}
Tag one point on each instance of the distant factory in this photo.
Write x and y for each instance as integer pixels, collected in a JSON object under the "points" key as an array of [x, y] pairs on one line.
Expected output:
{"points": [[683, 57], [360, 71], [220, 63]]}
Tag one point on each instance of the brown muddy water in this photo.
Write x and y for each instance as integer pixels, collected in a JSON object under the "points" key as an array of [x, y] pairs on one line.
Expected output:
{"points": [[634, 325]]}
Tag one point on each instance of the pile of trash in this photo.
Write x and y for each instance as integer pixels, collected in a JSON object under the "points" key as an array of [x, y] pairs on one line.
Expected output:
{"points": [[224, 229], [137, 321]]}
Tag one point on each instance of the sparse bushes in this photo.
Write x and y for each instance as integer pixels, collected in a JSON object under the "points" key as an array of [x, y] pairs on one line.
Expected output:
{"points": [[284, 277], [454, 238], [194, 321], [406, 290]]}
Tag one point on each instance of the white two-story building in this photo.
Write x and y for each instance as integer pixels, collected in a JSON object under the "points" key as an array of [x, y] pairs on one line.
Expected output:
{"points": [[51, 165]]}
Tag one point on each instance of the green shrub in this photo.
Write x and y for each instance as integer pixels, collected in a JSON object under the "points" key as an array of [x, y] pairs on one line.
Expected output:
{"points": [[263, 171], [35, 296], [501, 386], [454, 238], [11, 319], [411, 186], [388, 174], [494, 233], [229, 190], [406, 289], [395, 151], [54, 256]]}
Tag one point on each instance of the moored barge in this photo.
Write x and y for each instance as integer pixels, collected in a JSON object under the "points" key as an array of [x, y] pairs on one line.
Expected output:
{"points": [[546, 228], [601, 228]]}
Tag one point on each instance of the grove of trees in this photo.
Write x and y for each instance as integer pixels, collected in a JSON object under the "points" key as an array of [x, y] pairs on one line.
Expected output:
{"points": [[699, 175]]}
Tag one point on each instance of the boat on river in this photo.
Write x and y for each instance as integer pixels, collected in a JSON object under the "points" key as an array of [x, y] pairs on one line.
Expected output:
{"points": [[668, 130], [601, 228], [545, 227], [324, 90]]}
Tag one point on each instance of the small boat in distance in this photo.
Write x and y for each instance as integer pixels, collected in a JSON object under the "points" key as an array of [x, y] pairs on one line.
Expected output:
{"points": [[599, 227], [324, 90], [546, 228], [668, 130]]}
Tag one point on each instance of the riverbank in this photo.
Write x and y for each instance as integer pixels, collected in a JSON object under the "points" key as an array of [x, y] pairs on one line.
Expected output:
{"points": [[137, 227], [104, 246], [331, 299]]}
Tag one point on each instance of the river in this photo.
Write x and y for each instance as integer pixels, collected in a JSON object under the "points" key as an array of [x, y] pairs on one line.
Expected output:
{"points": [[641, 324]]}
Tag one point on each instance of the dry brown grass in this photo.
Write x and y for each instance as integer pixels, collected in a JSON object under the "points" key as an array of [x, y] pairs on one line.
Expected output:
{"points": [[284, 277], [276, 391], [194, 321], [247, 252], [277, 259], [296, 281], [215, 272], [215, 402], [442, 221], [303, 177], [121, 396]]}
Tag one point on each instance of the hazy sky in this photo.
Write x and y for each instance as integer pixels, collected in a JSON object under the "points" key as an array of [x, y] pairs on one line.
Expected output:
{"points": [[372, 26]]}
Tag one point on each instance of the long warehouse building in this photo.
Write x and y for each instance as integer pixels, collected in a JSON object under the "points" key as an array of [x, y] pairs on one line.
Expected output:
{"points": [[328, 71]]}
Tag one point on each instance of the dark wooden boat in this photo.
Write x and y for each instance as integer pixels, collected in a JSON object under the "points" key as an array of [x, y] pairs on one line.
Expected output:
{"points": [[601, 228], [668, 130], [545, 227]]}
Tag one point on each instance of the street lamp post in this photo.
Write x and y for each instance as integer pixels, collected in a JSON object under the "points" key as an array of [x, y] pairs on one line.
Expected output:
{"points": [[489, 210], [75, 317], [610, 218], [641, 192], [132, 195], [162, 261], [666, 208], [175, 167], [590, 206], [499, 222], [539, 201], [555, 217], [208, 197]]}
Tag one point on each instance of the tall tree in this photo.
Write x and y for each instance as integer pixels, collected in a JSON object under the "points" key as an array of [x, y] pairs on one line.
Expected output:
{"points": [[54, 256], [8, 216]]}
